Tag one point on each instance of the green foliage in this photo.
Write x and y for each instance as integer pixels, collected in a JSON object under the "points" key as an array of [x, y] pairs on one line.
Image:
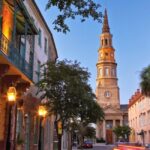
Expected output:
{"points": [[71, 9], [145, 81], [65, 85], [122, 131], [90, 132], [101, 140], [86, 131], [19, 140]]}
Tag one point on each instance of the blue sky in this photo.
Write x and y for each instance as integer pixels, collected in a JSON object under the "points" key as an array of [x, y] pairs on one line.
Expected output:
{"points": [[129, 23]]}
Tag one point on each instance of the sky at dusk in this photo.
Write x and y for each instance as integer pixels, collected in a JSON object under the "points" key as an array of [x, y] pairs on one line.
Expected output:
{"points": [[129, 22]]}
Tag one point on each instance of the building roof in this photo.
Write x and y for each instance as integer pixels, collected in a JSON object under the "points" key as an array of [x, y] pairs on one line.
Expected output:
{"points": [[105, 28], [124, 107], [134, 98]]}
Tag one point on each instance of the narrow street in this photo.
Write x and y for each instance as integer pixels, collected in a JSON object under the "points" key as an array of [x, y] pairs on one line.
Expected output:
{"points": [[108, 147], [99, 147]]}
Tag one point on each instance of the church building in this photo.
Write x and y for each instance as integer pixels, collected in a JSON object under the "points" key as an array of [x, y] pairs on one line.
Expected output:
{"points": [[107, 90]]}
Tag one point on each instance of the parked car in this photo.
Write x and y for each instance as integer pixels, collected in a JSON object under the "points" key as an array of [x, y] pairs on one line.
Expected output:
{"points": [[87, 144]]}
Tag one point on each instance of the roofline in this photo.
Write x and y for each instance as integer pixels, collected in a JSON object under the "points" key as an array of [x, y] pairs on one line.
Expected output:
{"points": [[46, 26], [134, 99]]}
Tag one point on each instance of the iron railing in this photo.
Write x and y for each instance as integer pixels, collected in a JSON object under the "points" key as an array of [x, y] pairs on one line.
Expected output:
{"points": [[13, 55]]}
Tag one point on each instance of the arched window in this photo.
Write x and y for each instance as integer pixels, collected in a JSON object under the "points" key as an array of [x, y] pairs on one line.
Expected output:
{"points": [[106, 71], [113, 72], [100, 72], [106, 42], [102, 42]]}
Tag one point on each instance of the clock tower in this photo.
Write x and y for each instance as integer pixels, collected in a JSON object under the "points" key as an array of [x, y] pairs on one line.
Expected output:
{"points": [[107, 90]]}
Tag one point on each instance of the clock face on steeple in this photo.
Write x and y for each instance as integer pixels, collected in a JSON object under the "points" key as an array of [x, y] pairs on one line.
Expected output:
{"points": [[107, 94]]}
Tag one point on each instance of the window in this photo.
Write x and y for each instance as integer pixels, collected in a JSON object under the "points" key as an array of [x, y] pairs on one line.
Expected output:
{"points": [[38, 70], [100, 72], [112, 54], [39, 38], [106, 42], [22, 50], [45, 46], [106, 54], [106, 71], [113, 73], [109, 124], [107, 94]]}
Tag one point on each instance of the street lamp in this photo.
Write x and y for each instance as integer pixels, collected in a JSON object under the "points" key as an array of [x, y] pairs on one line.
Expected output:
{"points": [[42, 113], [59, 133], [11, 96]]}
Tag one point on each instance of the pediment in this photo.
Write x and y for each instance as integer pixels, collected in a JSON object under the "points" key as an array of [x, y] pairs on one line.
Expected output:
{"points": [[111, 109]]}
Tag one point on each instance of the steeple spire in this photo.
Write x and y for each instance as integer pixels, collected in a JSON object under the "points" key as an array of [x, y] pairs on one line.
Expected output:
{"points": [[105, 23]]}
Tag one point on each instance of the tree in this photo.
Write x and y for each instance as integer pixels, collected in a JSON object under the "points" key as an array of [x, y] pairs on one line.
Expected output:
{"points": [[122, 132], [72, 9], [145, 81], [65, 85]]}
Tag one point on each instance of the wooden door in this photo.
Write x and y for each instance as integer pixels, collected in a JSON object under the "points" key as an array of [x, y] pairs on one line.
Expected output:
{"points": [[109, 136]]}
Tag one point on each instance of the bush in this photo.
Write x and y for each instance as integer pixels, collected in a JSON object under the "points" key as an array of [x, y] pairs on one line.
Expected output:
{"points": [[101, 140]]}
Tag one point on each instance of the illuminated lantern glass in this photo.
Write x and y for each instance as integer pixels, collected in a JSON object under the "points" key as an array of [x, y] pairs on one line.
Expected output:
{"points": [[42, 111], [11, 94]]}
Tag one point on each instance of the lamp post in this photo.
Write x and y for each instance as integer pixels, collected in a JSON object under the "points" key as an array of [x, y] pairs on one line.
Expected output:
{"points": [[42, 113], [11, 96], [59, 133]]}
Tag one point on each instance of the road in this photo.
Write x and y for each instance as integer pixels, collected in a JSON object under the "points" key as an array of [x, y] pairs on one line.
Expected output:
{"points": [[100, 147]]}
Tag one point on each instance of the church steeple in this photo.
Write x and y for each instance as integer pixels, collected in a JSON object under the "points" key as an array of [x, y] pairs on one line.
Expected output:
{"points": [[105, 28], [107, 91]]}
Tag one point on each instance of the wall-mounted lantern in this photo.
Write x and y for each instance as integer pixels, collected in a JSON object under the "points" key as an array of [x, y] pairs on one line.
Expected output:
{"points": [[11, 94]]}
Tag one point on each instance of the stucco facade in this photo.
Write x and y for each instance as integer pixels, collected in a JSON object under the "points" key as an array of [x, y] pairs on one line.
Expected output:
{"points": [[26, 42], [139, 117]]}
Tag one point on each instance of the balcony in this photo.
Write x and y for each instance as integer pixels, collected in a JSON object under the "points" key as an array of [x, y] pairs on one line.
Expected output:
{"points": [[12, 55]]}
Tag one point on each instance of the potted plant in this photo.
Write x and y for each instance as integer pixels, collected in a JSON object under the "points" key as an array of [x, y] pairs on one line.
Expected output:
{"points": [[19, 141]]}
